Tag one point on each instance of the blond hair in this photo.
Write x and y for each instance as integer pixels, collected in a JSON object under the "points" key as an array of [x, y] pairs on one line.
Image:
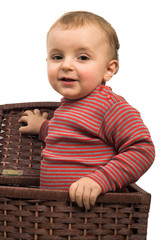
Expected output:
{"points": [[81, 18]]}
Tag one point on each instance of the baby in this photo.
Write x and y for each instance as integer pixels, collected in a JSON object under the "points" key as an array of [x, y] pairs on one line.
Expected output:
{"points": [[96, 142]]}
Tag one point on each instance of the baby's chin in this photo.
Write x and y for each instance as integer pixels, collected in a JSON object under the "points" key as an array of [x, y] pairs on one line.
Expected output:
{"points": [[73, 95]]}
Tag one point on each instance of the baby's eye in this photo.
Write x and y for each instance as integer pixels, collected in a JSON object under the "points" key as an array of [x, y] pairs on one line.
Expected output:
{"points": [[83, 57], [57, 57]]}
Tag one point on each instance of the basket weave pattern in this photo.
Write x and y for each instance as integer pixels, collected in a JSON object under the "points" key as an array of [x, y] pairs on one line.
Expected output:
{"points": [[20, 152], [47, 214], [31, 213]]}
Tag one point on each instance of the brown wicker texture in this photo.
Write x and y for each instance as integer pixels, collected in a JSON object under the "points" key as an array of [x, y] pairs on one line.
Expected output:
{"points": [[20, 155], [36, 214], [30, 213]]}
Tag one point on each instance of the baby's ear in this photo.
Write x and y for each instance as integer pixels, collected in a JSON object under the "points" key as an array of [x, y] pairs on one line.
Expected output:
{"points": [[111, 69]]}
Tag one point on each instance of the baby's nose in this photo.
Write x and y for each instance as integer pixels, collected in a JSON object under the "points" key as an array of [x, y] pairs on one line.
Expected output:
{"points": [[67, 65]]}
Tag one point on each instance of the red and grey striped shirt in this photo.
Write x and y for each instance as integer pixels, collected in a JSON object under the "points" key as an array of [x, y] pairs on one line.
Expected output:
{"points": [[100, 136]]}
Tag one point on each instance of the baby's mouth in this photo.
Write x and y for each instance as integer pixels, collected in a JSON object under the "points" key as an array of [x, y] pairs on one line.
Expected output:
{"points": [[69, 80]]}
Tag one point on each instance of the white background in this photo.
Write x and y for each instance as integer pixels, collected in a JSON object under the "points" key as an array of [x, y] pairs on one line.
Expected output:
{"points": [[23, 76]]}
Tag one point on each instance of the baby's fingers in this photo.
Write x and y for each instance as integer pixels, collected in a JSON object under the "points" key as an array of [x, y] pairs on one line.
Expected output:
{"points": [[86, 198], [93, 196], [72, 191], [37, 112], [45, 115], [79, 194], [28, 113], [24, 130], [23, 119]]}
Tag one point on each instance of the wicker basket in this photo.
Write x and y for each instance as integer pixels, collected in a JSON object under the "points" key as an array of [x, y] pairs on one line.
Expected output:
{"points": [[20, 155], [31, 213]]}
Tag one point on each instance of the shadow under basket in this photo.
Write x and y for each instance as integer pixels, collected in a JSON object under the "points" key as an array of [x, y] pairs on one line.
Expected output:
{"points": [[30, 213]]}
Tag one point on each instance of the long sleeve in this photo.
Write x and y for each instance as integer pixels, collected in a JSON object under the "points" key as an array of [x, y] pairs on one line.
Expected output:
{"points": [[123, 128], [44, 130]]}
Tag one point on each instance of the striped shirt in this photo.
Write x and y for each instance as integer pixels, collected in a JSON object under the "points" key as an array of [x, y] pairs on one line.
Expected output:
{"points": [[100, 136]]}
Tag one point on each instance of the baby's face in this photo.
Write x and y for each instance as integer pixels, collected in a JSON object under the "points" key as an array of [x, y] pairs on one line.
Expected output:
{"points": [[77, 60]]}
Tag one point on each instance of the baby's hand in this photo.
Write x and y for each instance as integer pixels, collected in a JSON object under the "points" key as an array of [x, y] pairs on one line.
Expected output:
{"points": [[34, 121], [85, 192]]}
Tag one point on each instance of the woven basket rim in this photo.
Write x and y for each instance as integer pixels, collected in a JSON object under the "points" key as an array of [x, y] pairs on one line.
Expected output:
{"points": [[28, 105], [137, 195]]}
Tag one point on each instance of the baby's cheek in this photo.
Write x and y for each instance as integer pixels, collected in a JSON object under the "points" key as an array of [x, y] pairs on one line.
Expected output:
{"points": [[86, 73], [50, 73], [51, 77], [91, 76]]}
